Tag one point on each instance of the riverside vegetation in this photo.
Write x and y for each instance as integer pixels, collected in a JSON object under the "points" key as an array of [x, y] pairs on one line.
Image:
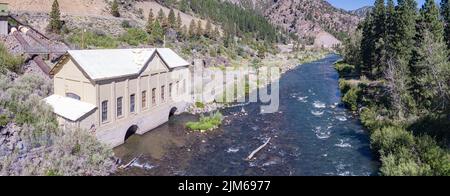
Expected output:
{"points": [[396, 73]]}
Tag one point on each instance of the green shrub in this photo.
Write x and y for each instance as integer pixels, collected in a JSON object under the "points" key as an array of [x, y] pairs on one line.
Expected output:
{"points": [[126, 24], [403, 154], [344, 86], [206, 123], [3, 120], [390, 139], [9, 61], [430, 153], [350, 98], [344, 70], [199, 105], [402, 163], [93, 40], [135, 37]]}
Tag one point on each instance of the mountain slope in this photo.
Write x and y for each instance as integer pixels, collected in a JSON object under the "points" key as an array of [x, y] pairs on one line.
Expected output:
{"points": [[308, 19], [362, 12]]}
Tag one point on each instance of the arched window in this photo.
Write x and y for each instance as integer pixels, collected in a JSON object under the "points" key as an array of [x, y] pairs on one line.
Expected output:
{"points": [[73, 96]]}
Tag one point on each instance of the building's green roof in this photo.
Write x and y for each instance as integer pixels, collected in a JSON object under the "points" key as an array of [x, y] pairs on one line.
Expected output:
{"points": [[4, 9]]}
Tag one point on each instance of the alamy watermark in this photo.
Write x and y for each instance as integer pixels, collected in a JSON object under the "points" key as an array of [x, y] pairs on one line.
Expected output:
{"points": [[237, 86]]}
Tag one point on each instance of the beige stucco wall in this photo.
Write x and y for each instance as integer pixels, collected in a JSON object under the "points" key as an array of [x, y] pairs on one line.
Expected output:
{"points": [[70, 79]]}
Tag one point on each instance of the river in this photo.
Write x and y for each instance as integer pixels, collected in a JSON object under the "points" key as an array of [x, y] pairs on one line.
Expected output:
{"points": [[312, 134]]}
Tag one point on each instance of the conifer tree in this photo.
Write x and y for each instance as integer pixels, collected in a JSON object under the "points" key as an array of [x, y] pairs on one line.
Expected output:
{"points": [[390, 26], [404, 42], [115, 9], [184, 32], [430, 20], [150, 21], [162, 19], [367, 46], [179, 22], [427, 62], [55, 23], [171, 19], [208, 29], [199, 31], [432, 73], [379, 38], [192, 28], [157, 34], [445, 12], [405, 30]]}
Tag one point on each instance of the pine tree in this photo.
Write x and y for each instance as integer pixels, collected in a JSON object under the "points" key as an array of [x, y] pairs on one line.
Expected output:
{"points": [[432, 73], [150, 21], [429, 38], [179, 22], [404, 42], [208, 29], [379, 38], [405, 30], [162, 19], [115, 9], [184, 33], [390, 26], [171, 19], [192, 29], [199, 30], [55, 24], [157, 34], [445, 12], [430, 20], [367, 46]]}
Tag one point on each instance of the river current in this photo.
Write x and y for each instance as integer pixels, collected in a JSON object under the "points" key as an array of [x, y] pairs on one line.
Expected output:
{"points": [[311, 134]]}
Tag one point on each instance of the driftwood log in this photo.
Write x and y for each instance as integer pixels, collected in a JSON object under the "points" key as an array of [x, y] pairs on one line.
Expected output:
{"points": [[130, 163], [250, 157]]}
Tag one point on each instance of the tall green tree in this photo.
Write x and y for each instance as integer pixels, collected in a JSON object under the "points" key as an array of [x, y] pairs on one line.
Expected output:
{"points": [[115, 9], [445, 12], [171, 19], [430, 20], [379, 38], [157, 34], [431, 74], [150, 21], [404, 43], [367, 46], [55, 23], [405, 30], [390, 26], [430, 58]]}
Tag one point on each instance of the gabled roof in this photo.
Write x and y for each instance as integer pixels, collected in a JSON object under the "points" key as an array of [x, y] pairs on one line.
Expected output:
{"points": [[113, 63], [69, 108]]}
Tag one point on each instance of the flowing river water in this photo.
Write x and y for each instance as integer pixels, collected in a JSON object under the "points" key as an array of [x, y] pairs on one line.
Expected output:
{"points": [[311, 134]]}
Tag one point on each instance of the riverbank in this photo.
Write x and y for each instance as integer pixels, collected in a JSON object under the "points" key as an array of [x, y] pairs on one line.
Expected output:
{"points": [[285, 61], [403, 146]]}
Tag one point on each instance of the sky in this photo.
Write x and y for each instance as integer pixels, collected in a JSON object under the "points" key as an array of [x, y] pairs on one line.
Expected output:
{"points": [[355, 4]]}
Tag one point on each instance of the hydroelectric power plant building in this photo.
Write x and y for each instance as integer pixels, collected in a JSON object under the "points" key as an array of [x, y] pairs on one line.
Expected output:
{"points": [[118, 92]]}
